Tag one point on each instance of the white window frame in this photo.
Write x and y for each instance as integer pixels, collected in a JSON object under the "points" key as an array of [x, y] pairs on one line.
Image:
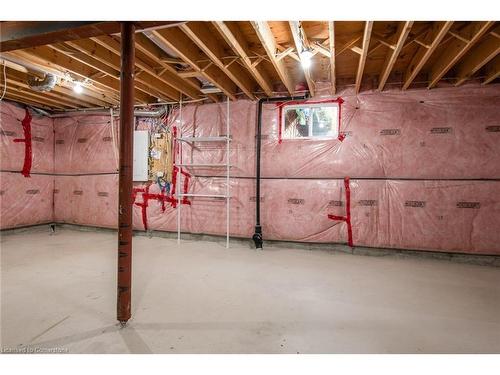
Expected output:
{"points": [[310, 125]]}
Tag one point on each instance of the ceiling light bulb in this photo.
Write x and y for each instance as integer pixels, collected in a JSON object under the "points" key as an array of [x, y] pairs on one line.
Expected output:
{"points": [[78, 88], [305, 57]]}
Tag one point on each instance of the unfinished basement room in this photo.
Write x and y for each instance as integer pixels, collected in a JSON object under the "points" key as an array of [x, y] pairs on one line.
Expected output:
{"points": [[250, 187]]}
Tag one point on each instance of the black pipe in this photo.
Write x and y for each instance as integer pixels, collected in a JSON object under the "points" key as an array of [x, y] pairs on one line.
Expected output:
{"points": [[257, 236]]}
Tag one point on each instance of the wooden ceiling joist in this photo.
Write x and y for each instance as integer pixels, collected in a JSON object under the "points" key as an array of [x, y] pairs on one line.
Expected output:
{"points": [[362, 59], [103, 52], [16, 35], [59, 91], [236, 40], [177, 60], [457, 49], [167, 74], [392, 55], [208, 43], [331, 45], [479, 56], [108, 70], [434, 37], [268, 41], [53, 96], [15, 90], [44, 56], [300, 41], [145, 46], [184, 47], [88, 97], [492, 70], [350, 45], [16, 97]]}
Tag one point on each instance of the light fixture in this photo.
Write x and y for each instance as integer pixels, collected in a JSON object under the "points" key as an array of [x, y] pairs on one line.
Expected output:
{"points": [[78, 88], [305, 57]]}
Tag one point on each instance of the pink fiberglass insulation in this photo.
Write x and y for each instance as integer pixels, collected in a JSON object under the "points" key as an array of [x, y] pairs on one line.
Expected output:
{"points": [[87, 200], [25, 200], [443, 133], [84, 144], [42, 140], [424, 168]]}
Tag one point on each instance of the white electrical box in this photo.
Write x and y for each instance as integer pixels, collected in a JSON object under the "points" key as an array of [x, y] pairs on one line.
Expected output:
{"points": [[141, 150]]}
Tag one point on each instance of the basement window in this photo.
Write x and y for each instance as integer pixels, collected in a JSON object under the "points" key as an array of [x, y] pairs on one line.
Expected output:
{"points": [[301, 121]]}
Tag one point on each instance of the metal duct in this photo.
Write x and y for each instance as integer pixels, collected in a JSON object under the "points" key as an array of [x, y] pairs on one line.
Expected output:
{"points": [[137, 113], [45, 84]]}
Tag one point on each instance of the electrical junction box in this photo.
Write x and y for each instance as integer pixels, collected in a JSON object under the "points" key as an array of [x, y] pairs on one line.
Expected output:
{"points": [[160, 157], [141, 151]]}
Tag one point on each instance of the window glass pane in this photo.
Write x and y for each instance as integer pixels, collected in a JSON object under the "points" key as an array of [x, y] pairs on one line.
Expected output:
{"points": [[296, 122], [324, 121], [310, 121]]}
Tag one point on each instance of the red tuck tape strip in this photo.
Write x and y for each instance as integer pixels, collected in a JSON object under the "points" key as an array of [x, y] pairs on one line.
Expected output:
{"points": [[346, 218], [280, 106], [27, 144], [162, 198], [146, 196]]}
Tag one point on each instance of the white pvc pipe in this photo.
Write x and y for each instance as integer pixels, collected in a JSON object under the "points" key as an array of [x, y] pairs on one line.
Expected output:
{"points": [[227, 174], [179, 204]]}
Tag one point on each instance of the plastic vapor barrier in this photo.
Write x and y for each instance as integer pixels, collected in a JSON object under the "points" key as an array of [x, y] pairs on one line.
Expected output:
{"points": [[423, 168]]}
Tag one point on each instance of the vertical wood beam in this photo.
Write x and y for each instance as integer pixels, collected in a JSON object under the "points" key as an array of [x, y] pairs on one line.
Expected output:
{"points": [[392, 54], [362, 60], [125, 173]]}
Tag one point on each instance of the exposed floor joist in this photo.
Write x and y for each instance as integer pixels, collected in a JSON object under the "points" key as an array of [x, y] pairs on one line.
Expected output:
{"points": [[106, 55], [179, 42], [266, 37], [17, 35], [362, 60], [392, 55], [478, 57], [459, 47], [492, 70], [145, 46], [435, 36], [46, 57], [199, 33], [253, 58], [166, 75], [235, 39]]}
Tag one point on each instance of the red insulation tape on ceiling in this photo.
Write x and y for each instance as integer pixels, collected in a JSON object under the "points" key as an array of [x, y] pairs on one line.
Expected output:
{"points": [[28, 157], [280, 106], [346, 218]]}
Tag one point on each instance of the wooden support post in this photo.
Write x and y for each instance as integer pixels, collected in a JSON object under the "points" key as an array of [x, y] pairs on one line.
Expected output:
{"points": [[125, 176]]}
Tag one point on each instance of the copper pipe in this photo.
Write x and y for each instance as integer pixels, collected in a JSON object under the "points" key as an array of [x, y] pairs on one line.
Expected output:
{"points": [[125, 172]]}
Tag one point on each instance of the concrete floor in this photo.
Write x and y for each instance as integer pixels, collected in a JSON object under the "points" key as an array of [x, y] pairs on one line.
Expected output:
{"points": [[59, 292]]}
